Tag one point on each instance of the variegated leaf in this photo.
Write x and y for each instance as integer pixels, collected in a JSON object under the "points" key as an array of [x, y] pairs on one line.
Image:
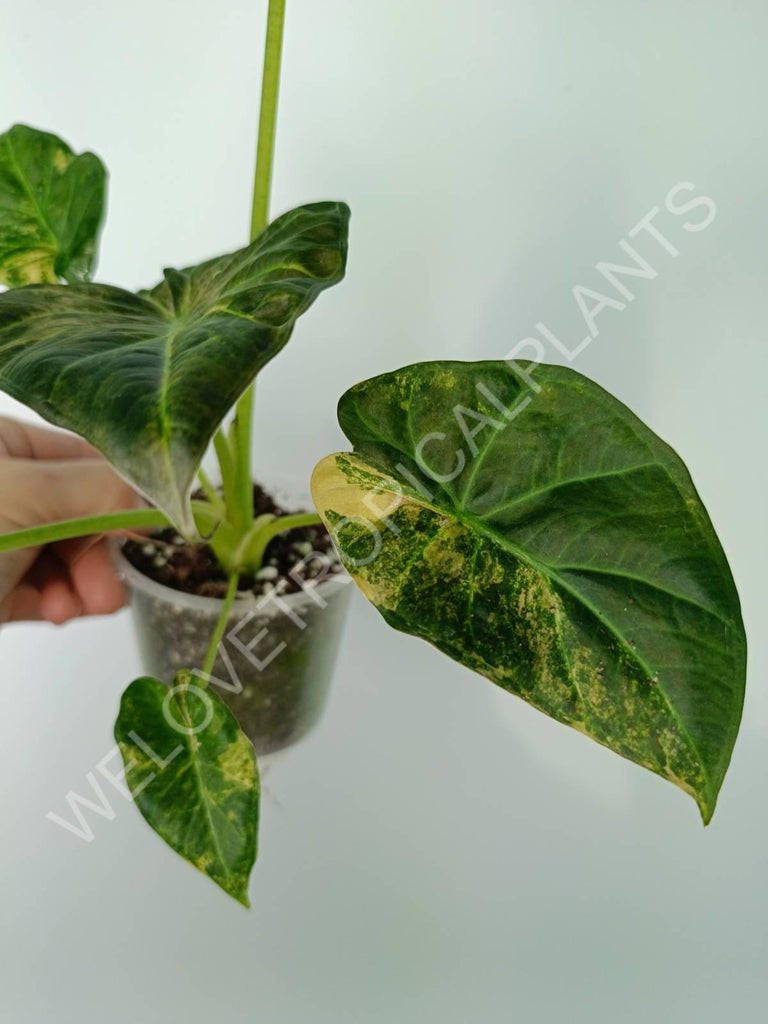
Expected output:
{"points": [[193, 775], [51, 208], [534, 529], [148, 378]]}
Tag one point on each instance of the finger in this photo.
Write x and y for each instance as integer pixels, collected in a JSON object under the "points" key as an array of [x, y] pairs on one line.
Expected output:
{"points": [[55, 592], [70, 550], [25, 441], [95, 582], [23, 605], [58, 601]]}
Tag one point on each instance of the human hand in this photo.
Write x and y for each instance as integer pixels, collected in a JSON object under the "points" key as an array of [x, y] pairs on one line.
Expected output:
{"points": [[46, 477]]}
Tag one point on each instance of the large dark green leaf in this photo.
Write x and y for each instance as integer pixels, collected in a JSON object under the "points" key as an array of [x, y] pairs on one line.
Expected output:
{"points": [[147, 378], [569, 559], [193, 775], [51, 208]]}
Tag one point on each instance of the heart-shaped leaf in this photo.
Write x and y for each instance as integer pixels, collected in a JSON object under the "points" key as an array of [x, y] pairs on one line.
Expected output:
{"points": [[147, 378], [538, 532], [51, 208], [193, 775]]}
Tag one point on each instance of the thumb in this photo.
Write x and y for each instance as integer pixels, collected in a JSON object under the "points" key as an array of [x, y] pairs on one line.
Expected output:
{"points": [[68, 489]]}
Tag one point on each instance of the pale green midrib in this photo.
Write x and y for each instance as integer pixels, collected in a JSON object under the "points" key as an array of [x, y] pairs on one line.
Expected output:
{"points": [[146, 295], [166, 426], [201, 788], [30, 194], [520, 398], [409, 455], [165, 381], [401, 451], [165, 340]]}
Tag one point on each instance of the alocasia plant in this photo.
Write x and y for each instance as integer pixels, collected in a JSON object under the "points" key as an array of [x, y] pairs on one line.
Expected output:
{"points": [[520, 519]]}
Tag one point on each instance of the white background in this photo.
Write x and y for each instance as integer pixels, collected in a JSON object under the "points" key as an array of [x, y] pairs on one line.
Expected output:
{"points": [[436, 851]]}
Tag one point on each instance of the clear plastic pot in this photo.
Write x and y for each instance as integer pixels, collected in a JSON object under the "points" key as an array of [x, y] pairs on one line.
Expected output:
{"points": [[276, 659]]}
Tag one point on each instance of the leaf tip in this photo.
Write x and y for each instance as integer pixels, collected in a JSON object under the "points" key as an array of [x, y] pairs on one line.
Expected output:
{"points": [[706, 809], [242, 898]]}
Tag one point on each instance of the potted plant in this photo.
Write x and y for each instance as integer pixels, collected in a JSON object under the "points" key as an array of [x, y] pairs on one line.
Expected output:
{"points": [[515, 515]]}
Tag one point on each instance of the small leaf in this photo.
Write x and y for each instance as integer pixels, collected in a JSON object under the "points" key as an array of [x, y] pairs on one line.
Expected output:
{"points": [[193, 775], [148, 378], [563, 553], [51, 208]]}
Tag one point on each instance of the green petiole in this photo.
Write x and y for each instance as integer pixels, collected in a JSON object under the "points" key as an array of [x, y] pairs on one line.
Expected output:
{"points": [[258, 539], [221, 624], [131, 519]]}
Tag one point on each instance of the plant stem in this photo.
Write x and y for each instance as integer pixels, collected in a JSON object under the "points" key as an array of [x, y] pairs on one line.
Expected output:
{"points": [[235, 455], [37, 536], [258, 541], [228, 478], [262, 182], [207, 517], [131, 519], [256, 526], [221, 624], [243, 457], [270, 82], [211, 493]]}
